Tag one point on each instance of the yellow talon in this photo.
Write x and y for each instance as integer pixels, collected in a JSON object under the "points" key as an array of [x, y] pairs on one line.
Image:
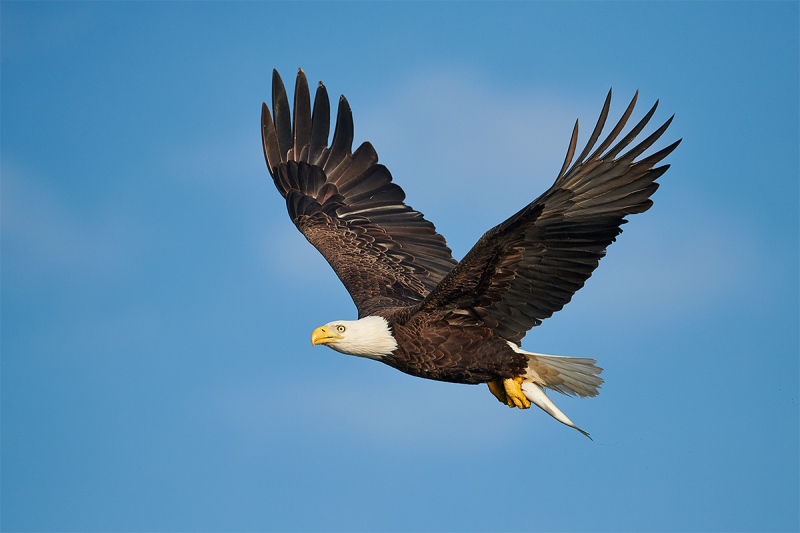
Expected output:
{"points": [[514, 395]]}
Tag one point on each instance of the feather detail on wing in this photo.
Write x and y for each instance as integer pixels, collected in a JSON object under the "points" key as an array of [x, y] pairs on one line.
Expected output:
{"points": [[527, 268], [345, 203]]}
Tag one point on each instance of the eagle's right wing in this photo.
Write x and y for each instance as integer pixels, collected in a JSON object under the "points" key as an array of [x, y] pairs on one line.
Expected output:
{"points": [[527, 268], [385, 253]]}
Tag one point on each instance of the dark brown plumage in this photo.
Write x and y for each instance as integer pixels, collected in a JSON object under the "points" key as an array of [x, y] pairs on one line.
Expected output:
{"points": [[453, 321]]}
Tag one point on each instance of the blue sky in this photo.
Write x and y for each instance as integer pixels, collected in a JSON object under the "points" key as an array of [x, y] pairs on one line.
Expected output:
{"points": [[157, 303]]}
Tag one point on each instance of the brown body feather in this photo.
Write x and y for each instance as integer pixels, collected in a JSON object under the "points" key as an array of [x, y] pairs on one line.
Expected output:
{"points": [[455, 351], [453, 321]]}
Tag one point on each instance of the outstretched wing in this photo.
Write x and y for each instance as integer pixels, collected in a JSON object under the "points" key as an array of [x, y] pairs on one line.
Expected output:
{"points": [[345, 203], [527, 268]]}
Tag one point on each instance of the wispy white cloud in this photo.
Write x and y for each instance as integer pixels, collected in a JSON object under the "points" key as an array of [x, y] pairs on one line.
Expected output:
{"points": [[220, 162], [40, 227], [381, 410], [459, 134], [287, 253], [672, 266], [469, 152]]}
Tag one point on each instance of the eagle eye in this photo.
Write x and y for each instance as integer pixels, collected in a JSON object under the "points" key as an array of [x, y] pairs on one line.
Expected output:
{"points": [[340, 329]]}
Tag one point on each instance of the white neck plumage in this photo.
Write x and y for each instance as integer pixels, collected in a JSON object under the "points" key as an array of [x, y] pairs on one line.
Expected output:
{"points": [[369, 337]]}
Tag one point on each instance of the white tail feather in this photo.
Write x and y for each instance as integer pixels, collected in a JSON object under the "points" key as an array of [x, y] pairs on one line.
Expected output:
{"points": [[578, 376], [567, 375]]}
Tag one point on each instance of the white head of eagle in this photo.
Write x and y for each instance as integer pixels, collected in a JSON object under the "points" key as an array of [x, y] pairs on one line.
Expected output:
{"points": [[368, 337]]}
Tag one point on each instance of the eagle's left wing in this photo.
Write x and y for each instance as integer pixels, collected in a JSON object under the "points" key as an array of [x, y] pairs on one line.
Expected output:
{"points": [[527, 268], [385, 253]]}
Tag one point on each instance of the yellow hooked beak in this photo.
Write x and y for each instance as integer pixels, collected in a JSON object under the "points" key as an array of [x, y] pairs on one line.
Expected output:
{"points": [[323, 335]]}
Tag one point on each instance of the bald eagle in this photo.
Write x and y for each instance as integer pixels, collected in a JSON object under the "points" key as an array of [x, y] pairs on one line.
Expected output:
{"points": [[421, 311]]}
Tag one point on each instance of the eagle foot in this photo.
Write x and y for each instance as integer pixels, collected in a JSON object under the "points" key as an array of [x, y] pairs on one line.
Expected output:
{"points": [[515, 396], [509, 392]]}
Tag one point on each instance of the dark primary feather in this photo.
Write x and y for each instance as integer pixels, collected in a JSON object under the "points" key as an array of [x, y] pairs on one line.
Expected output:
{"points": [[527, 268], [344, 202]]}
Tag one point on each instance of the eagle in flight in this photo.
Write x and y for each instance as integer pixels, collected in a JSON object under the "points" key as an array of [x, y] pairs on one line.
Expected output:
{"points": [[421, 311]]}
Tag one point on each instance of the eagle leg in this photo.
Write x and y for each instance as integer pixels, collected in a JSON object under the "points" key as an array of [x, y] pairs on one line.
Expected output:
{"points": [[496, 387]]}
